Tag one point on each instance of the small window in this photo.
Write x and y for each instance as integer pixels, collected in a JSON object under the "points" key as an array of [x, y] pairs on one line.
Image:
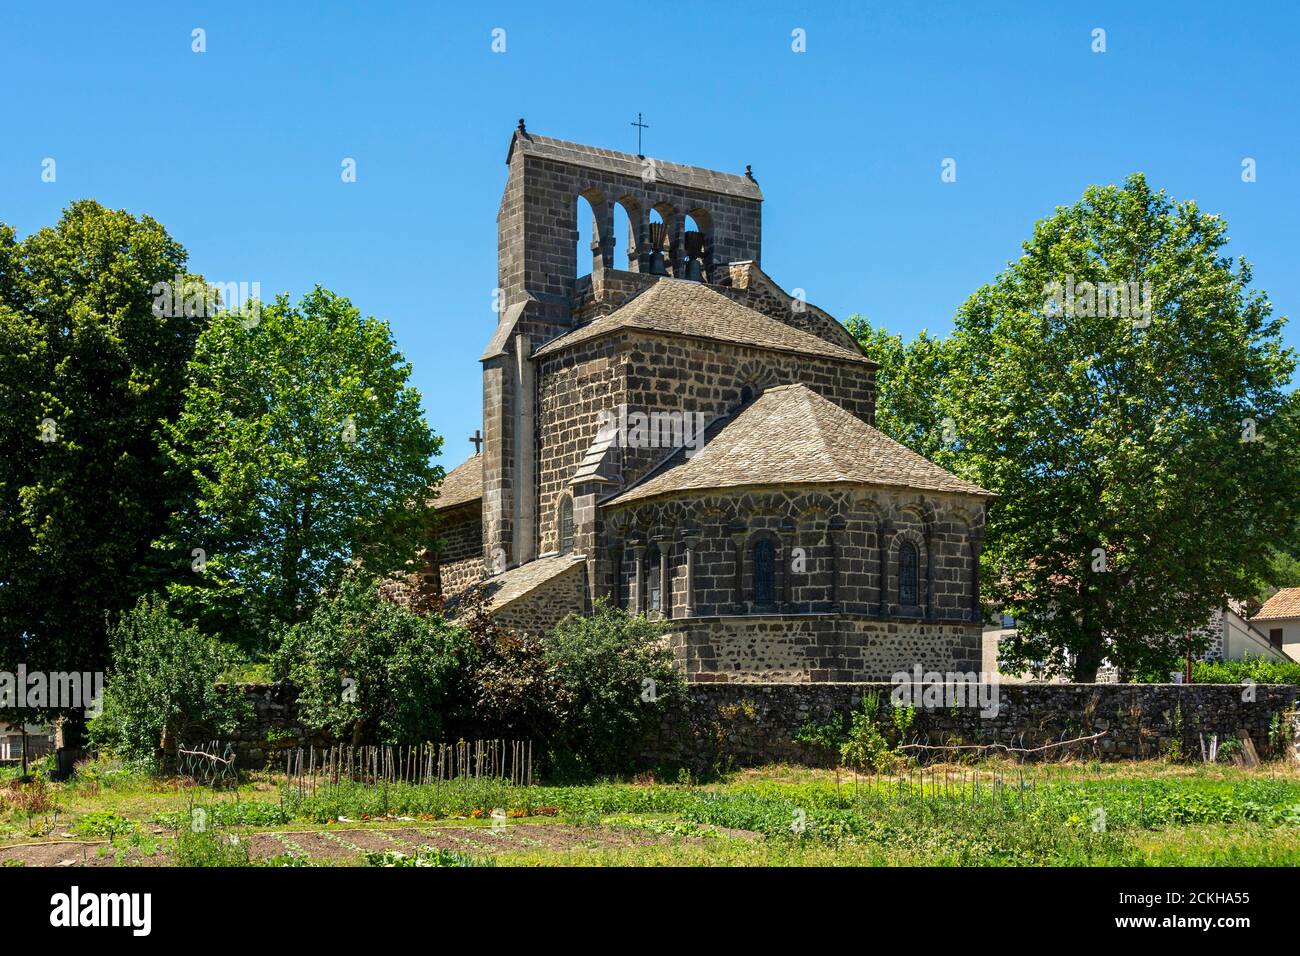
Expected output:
{"points": [[1275, 637], [654, 591], [907, 584], [764, 574], [566, 524]]}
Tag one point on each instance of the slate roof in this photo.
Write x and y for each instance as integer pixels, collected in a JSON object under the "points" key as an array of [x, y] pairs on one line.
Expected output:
{"points": [[629, 164], [790, 436], [679, 307], [1284, 604], [509, 586], [461, 485]]}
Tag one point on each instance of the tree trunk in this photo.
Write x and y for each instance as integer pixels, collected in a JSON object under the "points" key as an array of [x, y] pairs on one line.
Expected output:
{"points": [[1088, 660]]}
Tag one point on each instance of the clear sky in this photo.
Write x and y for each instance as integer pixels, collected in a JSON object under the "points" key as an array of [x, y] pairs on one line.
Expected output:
{"points": [[238, 150]]}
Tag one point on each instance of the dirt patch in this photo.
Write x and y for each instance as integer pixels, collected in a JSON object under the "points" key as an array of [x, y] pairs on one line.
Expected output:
{"points": [[76, 853]]}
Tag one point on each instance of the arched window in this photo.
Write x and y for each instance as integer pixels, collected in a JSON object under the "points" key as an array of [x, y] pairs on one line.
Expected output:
{"points": [[653, 584], [566, 524], [625, 233], [764, 573], [585, 223], [907, 584], [746, 395]]}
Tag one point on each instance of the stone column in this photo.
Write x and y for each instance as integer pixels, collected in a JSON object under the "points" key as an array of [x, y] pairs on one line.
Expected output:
{"points": [[637, 591], [884, 535], [833, 529], [789, 541], [690, 541], [976, 542], [640, 259], [930, 610], [737, 531], [665, 583]]}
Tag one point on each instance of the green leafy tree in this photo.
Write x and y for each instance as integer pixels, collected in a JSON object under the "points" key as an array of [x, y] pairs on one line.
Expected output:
{"points": [[617, 680], [89, 369], [1141, 455], [369, 670], [164, 686], [309, 452], [908, 384]]}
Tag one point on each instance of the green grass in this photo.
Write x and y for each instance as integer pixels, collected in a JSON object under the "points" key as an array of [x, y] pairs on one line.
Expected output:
{"points": [[1061, 815]]}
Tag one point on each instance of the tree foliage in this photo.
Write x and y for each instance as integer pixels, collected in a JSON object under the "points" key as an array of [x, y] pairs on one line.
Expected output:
{"points": [[370, 670], [88, 371], [164, 681], [1140, 466], [309, 452]]}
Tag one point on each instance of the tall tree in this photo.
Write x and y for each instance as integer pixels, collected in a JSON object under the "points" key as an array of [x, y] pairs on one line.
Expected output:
{"points": [[88, 372], [309, 452], [908, 384], [1140, 437]]}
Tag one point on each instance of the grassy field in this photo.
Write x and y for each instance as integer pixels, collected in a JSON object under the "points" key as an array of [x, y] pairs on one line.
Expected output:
{"points": [[989, 814]]}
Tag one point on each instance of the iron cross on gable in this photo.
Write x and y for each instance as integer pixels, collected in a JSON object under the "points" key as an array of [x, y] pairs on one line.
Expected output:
{"points": [[477, 440], [639, 127]]}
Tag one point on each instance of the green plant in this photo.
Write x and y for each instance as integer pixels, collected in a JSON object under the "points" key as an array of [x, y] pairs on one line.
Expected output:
{"points": [[616, 679], [425, 856], [209, 848], [164, 679], [104, 824]]}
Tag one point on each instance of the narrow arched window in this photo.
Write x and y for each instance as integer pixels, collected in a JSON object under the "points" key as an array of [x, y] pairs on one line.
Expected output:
{"points": [[653, 583], [907, 584], [566, 524], [764, 573]]}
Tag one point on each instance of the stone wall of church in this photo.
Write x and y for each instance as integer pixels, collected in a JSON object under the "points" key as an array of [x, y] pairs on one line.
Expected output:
{"points": [[460, 547], [836, 611], [650, 373], [543, 608], [835, 547], [820, 647]]}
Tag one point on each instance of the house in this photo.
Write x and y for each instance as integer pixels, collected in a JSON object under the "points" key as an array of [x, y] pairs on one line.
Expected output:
{"points": [[1279, 618]]}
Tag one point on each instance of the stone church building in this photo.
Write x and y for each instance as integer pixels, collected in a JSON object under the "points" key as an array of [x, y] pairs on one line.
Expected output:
{"points": [[673, 431]]}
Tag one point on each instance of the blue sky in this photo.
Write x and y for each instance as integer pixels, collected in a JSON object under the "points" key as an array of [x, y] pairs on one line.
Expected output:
{"points": [[237, 151]]}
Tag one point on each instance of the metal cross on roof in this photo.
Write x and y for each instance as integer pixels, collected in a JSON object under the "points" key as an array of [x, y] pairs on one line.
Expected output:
{"points": [[639, 127], [477, 439]]}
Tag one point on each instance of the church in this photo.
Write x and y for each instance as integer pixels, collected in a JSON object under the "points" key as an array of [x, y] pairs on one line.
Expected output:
{"points": [[753, 507]]}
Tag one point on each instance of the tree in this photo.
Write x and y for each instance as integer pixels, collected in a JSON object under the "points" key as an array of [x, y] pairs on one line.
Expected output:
{"points": [[88, 371], [309, 453], [617, 680], [1140, 436], [369, 669], [908, 384], [164, 684]]}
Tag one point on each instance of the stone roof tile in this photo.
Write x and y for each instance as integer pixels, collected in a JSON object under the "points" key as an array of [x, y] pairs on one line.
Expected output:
{"points": [[790, 436], [461, 485], [680, 307]]}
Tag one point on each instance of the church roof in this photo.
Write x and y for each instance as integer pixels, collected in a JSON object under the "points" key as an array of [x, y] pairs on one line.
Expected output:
{"points": [[461, 485], [792, 435], [679, 307], [1282, 605], [629, 164], [509, 586]]}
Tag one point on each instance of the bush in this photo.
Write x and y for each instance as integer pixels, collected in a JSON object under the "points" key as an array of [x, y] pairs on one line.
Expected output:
{"points": [[616, 681], [163, 680], [367, 669], [1257, 669]]}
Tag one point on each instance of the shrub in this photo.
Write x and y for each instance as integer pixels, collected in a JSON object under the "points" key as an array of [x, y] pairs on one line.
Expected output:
{"points": [[616, 681], [163, 680], [369, 669], [1257, 669]]}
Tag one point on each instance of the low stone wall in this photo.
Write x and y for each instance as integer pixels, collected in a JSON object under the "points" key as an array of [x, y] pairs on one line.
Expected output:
{"points": [[750, 724]]}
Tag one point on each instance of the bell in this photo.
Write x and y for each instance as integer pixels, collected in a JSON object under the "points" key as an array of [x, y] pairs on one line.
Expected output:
{"points": [[658, 235]]}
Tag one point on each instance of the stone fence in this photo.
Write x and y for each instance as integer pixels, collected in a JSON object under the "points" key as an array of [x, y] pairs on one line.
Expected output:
{"points": [[750, 724]]}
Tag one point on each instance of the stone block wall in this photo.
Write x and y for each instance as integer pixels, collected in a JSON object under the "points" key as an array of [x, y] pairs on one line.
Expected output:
{"points": [[748, 725], [545, 606], [758, 649], [460, 547]]}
